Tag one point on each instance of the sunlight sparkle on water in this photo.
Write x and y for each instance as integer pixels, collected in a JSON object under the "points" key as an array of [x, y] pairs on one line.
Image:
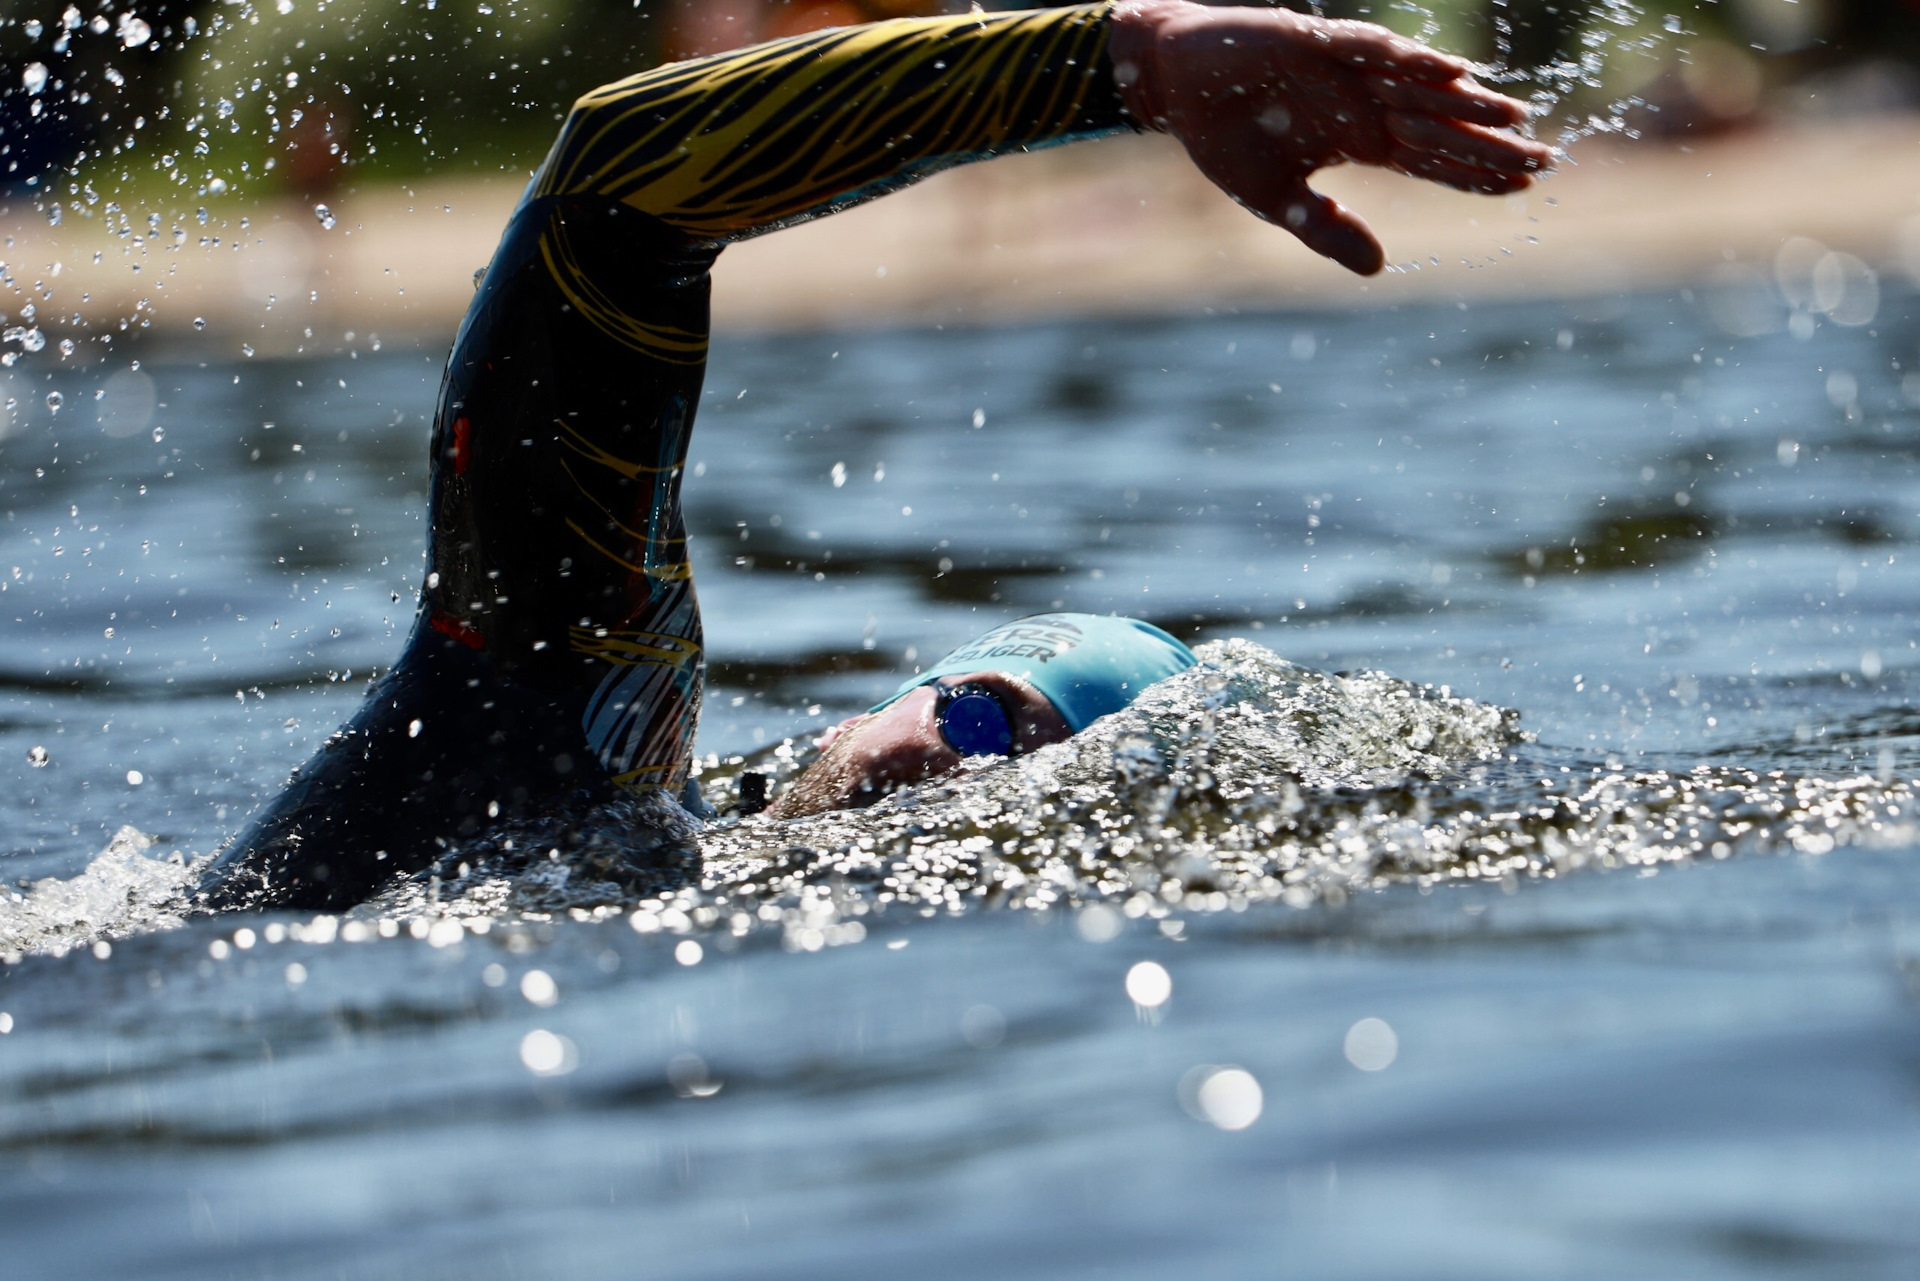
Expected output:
{"points": [[539, 988], [547, 1053], [1222, 1095], [1149, 984], [1371, 1045]]}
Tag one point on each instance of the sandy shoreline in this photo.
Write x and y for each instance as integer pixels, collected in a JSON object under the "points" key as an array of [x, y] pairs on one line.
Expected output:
{"points": [[1118, 227]]}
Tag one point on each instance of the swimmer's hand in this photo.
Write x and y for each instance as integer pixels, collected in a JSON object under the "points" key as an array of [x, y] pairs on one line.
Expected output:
{"points": [[1261, 98]]}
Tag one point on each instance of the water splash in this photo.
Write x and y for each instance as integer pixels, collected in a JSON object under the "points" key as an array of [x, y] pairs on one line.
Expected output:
{"points": [[124, 890]]}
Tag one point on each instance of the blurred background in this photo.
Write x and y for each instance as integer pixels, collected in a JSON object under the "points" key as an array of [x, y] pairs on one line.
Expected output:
{"points": [[1636, 453], [128, 133]]}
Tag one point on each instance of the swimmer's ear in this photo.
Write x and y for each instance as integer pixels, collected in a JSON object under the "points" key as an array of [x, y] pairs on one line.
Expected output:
{"points": [[1329, 228]]}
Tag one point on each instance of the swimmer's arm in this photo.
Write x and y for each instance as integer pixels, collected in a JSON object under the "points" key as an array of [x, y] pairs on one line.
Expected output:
{"points": [[1261, 98], [742, 142]]}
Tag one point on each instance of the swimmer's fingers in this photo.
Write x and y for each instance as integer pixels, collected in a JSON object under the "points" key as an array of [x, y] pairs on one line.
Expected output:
{"points": [[1366, 47], [1473, 145], [1330, 229], [1459, 99], [1455, 173]]}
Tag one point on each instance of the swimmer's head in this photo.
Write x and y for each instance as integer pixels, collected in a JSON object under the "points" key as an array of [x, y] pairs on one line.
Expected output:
{"points": [[1020, 686]]}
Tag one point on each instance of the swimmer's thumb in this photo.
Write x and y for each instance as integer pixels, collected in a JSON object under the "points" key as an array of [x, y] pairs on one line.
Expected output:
{"points": [[1331, 230]]}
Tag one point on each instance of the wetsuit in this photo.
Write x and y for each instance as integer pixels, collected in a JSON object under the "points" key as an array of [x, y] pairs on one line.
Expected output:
{"points": [[557, 657]]}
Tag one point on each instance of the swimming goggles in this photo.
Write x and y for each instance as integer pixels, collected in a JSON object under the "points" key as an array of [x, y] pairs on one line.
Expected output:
{"points": [[973, 720]]}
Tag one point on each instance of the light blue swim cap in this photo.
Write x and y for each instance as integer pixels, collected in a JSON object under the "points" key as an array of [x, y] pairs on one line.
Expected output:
{"points": [[1086, 664]]}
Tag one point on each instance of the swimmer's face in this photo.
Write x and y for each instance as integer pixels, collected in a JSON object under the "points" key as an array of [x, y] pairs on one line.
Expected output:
{"points": [[868, 756]]}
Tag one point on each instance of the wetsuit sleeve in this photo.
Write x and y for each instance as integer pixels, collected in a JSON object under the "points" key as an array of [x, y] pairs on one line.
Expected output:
{"points": [[742, 142]]}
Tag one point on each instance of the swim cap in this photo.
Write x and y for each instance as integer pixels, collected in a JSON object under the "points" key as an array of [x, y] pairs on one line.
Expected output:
{"points": [[1086, 664]]}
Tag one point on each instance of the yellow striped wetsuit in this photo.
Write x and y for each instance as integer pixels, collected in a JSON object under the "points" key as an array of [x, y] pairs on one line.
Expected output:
{"points": [[558, 651]]}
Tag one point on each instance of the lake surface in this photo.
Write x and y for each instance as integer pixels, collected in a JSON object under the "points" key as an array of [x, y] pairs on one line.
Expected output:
{"points": [[1632, 996]]}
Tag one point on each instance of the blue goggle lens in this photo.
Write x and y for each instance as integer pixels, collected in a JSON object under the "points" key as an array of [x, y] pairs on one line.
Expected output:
{"points": [[974, 722]]}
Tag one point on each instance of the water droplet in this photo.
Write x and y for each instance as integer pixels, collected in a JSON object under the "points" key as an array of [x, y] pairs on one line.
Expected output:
{"points": [[34, 77], [55, 400], [37, 757], [134, 32], [246, 349], [283, 6], [217, 187], [135, 778], [199, 322], [539, 988], [159, 434], [325, 216], [224, 108]]}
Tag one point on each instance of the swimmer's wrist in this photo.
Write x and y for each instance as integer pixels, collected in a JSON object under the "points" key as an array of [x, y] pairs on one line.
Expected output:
{"points": [[1133, 52]]}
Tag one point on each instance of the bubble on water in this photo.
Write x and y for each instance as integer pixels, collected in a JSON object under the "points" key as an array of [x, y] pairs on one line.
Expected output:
{"points": [[134, 31], [1149, 985], [1371, 1045], [54, 401], [324, 216], [34, 78], [545, 1053], [37, 756]]}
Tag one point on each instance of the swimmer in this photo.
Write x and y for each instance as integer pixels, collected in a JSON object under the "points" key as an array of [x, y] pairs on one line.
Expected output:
{"points": [[1008, 692], [556, 658]]}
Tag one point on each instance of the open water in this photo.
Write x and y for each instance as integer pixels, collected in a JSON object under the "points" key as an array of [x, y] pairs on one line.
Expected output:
{"points": [[1574, 932]]}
